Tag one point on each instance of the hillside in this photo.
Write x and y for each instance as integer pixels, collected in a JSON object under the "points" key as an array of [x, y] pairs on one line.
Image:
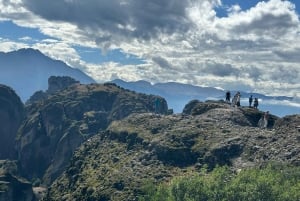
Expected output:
{"points": [[103, 142], [28, 70], [116, 163], [58, 123]]}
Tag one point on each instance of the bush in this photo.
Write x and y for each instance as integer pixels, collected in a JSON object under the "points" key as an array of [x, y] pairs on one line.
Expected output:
{"points": [[270, 183]]}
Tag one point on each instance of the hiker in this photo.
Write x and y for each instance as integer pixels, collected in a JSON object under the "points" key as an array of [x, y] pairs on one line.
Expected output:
{"points": [[157, 105], [255, 105], [266, 119], [228, 96], [234, 100], [238, 99], [250, 101]]}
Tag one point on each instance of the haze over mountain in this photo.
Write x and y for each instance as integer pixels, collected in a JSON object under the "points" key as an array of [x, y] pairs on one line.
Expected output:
{"points": [[178, 95], [28, 70]]}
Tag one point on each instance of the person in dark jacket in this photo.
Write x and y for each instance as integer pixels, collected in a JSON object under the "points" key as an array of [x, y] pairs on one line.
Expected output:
{"points": [[250, 101], [255, 105]]}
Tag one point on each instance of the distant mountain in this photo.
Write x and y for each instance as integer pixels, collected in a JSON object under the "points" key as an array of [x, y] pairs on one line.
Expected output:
{"points": [[28, 70], [178, 95]]}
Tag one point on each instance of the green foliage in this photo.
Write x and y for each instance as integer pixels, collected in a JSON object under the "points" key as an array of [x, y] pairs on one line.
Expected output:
{"points": [[270, 183]]}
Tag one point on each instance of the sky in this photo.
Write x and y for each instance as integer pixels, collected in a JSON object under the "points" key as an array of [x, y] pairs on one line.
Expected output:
{"points": [[247, 45]]}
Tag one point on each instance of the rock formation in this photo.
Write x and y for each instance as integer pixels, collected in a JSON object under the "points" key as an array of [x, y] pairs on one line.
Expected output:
{"points": [[11, 116], [55, 83], [114, 164], [12, 187], [102, 142], [56, 126]]}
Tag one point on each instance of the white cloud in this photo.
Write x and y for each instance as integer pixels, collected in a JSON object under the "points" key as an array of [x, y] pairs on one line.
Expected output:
{"points": [[8, 46], [180, 40], [235, 9], [268, 20]]}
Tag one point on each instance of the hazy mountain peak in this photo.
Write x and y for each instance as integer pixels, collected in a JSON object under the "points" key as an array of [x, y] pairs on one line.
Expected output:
{"points": [[27, 70]]}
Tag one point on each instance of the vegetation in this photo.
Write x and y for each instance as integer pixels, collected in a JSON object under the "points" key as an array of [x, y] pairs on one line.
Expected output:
{"points": [[270, 183]]}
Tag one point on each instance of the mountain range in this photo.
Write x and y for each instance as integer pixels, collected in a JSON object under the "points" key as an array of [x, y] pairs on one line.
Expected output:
{"points": [[27, 71], [178, 95]]}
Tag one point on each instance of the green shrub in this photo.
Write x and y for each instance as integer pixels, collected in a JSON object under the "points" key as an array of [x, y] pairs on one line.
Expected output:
{"points": [[270, 183]]}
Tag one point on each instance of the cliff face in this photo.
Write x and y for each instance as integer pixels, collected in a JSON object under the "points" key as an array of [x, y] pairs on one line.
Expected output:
{"points": [[56, 126], [114, 164], [11, 116]]}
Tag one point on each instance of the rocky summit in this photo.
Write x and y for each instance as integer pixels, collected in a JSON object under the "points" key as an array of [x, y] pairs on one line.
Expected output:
{"points": [[115, 164], [103, 142]]}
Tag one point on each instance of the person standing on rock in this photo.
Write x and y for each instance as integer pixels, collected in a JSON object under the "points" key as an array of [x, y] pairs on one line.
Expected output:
{"points": [[255, 105], [250, 101], [157, 105], [238, 99], [266, 119], [228, 96], [235, 99]]}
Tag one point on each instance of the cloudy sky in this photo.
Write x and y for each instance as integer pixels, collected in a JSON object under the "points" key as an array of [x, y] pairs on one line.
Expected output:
{"points": [[248, 45]]}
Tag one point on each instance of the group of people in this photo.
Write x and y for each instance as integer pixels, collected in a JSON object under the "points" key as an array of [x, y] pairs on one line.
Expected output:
{"points": [[236, 102], [255, 104]]}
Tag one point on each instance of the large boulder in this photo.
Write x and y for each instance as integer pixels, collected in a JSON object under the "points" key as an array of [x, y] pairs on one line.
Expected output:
{"points": [[11, 116]]}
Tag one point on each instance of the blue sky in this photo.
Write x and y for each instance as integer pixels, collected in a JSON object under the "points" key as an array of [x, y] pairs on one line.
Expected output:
{"points": [[11, 31], [243, 45]]}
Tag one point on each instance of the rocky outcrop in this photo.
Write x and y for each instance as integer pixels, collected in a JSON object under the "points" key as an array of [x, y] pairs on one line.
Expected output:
{"points": [[56, 126], [12, 187], [114, 164], [55, 84], [11, 116], [243, 116]]}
